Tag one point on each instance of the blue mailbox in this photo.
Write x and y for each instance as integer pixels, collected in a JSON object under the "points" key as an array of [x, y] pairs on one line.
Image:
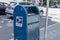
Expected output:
{"points": [[26, 22]]}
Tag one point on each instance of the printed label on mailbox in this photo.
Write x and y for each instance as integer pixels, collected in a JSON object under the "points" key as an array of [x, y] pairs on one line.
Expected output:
{"points": [[19, 21]]}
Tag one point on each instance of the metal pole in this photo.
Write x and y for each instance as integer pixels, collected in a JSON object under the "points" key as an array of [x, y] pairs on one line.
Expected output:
{"points": [[42, 3], [45, 30]]}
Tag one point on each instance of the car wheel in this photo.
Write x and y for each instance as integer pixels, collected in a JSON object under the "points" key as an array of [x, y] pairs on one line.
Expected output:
{"points": [[2, 12], [41, 13]]}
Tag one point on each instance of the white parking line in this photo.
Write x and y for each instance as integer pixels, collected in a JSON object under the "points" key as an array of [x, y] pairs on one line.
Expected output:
{"points": [[56, 32], [55, 19], [12, 34], [49, 26], [0, 27], [11, 39]]}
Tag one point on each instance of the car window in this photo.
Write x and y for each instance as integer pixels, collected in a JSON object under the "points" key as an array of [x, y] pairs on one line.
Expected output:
{"points": [[12, 4], [6, 4], [23, 3]]}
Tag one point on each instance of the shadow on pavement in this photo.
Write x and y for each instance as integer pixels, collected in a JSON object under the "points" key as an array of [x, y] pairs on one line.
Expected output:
{"points": [[43, 21]]}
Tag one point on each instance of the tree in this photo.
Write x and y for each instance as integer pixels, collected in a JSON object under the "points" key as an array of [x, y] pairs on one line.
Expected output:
{"points": [[59, 1], [51, 1]]}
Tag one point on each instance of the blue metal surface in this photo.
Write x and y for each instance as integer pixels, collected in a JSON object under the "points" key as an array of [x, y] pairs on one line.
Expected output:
{"points": [[20, 32]]}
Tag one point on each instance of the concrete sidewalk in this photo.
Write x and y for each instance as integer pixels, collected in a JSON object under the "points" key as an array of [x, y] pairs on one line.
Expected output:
{"points": [[53, 32]]}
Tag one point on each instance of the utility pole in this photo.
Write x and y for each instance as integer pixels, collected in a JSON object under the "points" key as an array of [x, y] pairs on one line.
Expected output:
{"points": [[42, 3], [45, 30]]}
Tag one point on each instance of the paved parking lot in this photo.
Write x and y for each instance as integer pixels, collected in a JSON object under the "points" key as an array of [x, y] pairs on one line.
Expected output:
{"points": [[6, 28]]}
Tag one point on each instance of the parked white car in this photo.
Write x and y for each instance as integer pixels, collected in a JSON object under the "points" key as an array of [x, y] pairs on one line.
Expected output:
{"points": [[12, 5], [41, 11], [10, 8]]}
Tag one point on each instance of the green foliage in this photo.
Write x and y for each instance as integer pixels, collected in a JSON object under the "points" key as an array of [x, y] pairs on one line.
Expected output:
{"points": [[24, 0], [52, 1], [59, 1]]}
